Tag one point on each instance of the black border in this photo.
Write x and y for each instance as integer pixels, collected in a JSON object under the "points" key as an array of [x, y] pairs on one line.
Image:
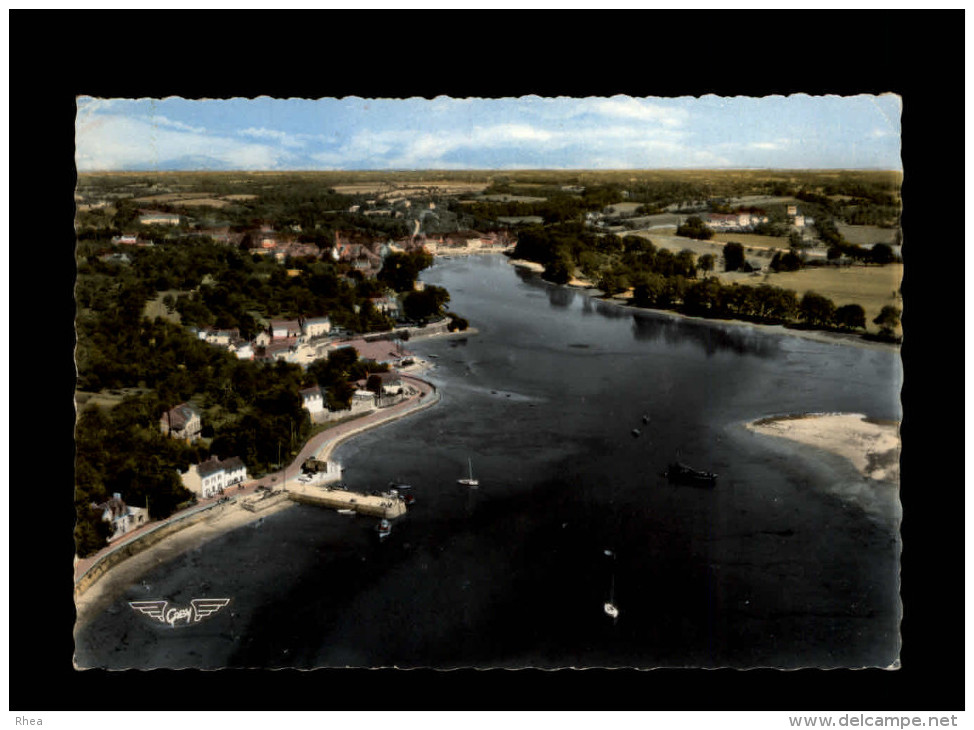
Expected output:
{"points": [[919, 55]]}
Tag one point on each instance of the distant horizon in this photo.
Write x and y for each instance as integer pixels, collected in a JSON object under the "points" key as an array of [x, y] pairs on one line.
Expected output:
{"points": [[473, 170], [797, 132]]}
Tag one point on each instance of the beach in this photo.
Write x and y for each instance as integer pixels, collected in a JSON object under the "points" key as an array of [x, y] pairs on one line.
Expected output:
{"points": [[873, 447]]}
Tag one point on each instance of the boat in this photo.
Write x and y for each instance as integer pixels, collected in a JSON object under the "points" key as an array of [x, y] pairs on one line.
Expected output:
{"points": [[408, 499], [610, 607], [469, 481], [399, 486], [346, 512], [384, 528], [636, 432], [682, 474], [645, 420]]}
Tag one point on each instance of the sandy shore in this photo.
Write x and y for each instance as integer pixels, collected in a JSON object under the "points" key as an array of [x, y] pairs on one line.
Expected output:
{"points": [[872, 447], [105, 590]]}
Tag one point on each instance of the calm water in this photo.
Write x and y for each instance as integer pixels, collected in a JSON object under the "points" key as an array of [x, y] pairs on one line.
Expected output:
{"points": [[791, 561]]}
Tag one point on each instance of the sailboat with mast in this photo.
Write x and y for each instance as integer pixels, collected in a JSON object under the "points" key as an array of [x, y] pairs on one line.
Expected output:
{"points": [[469, 481]]}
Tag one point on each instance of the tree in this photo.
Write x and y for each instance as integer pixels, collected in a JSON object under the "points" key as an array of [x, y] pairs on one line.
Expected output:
{"points": [[706, 263], [850, 316], [789, 261], [881, 253], [421, 305], [816, 310], [694, 227], [733, 256], [400, 270], [888, 320]]}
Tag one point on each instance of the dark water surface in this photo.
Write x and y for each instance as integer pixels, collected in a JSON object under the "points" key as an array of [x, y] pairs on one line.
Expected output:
{"points": [[792, 560]]}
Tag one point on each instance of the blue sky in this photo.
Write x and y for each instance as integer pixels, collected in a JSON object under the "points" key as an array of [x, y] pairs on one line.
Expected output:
{"points": [[616, 132]]}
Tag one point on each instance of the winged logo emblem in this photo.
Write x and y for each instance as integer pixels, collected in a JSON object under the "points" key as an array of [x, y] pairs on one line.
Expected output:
{"points": [[198, 609]]}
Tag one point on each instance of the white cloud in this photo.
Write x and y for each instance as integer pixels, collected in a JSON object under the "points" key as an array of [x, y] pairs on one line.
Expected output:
{"points": [[283, 138], [111, 142], [623, 107], [165, 121]]}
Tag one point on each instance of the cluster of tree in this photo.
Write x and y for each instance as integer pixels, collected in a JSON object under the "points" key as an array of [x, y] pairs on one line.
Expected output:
{"points": [[694, 227], [123, 451], [558, 206], [400, 270], [426, 304]]}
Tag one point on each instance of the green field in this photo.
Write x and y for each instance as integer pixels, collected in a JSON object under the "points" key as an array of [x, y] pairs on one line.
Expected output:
{"points": [[871, 287]]}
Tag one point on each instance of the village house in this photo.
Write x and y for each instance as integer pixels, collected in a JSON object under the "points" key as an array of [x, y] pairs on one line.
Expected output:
{"points": [[390, 383], [386, 304], [181, 422], [285, 350], [316, 326], [212, 476], [215, 336], [122, 517], [313, 400], [242, 349], [285, 328], [125, 240]]}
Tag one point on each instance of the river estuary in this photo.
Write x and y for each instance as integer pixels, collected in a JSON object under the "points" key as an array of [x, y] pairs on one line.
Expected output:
{"points": [[791, 561]]}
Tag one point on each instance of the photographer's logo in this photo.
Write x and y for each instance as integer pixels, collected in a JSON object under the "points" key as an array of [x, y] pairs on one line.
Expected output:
{"points": [[198, 609]]}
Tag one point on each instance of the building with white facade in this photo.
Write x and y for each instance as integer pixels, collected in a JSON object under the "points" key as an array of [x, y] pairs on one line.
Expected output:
{"points": [[212, 476], [316, 326], [123, 517], [181, 422]]}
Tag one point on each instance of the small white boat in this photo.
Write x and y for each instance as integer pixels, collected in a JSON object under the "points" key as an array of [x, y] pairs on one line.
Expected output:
{"points": [[384, 528], [611, 610], [346, 512], [469, 481]]}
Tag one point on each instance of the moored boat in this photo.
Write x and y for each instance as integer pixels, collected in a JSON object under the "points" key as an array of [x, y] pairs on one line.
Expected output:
{"points": [[683, 474], [383, 529], [469, 481]]}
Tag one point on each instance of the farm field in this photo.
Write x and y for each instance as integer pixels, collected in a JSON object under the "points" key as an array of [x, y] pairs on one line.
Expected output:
{"points": [[866, 235], [623, 208], [871, 287], [752, 240]]}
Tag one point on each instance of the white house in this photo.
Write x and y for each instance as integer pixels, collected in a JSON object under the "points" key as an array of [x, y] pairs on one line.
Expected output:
{"points": [[799, 221], [212, 476], [218, 336], [284, 328], [181, 422], [313, 400], [391, 383], [242, 349], [123, 518], [315, 326]]}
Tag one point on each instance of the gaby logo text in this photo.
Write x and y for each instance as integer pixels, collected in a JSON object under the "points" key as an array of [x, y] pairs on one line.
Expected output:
{"points": [[198, 609]]}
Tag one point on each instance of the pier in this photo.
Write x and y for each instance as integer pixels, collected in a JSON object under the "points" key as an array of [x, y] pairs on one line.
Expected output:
{"points": [[387, 505]]}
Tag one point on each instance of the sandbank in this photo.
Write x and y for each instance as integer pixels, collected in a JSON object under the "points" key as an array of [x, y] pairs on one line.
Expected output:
{"points": [[872, 446]]}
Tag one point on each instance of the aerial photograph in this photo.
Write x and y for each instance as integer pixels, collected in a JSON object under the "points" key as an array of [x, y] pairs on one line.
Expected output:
{"points": [[525, 382]]}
